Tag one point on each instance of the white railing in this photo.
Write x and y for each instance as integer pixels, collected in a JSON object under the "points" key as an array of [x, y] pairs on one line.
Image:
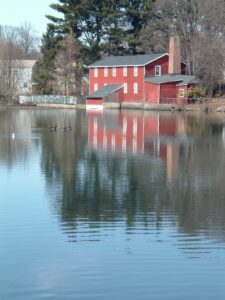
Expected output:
{"points": [[49, 99]]}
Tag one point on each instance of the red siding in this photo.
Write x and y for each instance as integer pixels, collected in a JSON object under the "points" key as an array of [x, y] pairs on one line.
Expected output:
{"points": [[151, 127], [94, 102], [168, 93], [130, 79], [152, 92], [167, 125], [163, 62], [146, 91], [135, 133], [120, 94], [126, 136]]}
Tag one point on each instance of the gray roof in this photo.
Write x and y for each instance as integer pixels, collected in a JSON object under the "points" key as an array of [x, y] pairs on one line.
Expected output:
{"points": [[105, 91], [180, 79], [130, 60]]}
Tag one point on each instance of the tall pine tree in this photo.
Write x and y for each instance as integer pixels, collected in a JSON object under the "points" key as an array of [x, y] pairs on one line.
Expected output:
{"points": [[103, 27], [136, 13]]}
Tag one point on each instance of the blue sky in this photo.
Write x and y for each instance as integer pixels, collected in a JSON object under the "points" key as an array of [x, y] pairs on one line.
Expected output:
{"points": [[16, 12]]}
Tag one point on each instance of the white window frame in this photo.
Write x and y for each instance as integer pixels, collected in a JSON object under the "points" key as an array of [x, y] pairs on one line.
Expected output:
{"points": [[158, 73], [125, 88], [106, 72], [125, 71], [95, 72], [135, 71], [181, 93], [135, 88], [95, 87], [114, 71]]}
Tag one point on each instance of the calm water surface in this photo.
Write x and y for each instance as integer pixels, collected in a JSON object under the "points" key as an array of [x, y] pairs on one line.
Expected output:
{"points": [[125, 205]]}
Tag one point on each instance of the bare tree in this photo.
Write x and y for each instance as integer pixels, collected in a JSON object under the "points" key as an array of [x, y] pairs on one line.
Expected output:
{"points": [[68, 66], [16, 43], [200, 25], [28, 39], [9, 52], [8, 33]]}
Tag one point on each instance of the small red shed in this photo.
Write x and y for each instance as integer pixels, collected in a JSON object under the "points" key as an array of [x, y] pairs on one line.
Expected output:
{"points": [[109, 93]]}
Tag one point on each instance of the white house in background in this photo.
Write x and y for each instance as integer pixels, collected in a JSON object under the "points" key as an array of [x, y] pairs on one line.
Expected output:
{"points": [[22, 70]]}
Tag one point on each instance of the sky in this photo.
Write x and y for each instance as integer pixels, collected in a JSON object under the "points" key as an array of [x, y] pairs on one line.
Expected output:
{"points": [[17, 12]]}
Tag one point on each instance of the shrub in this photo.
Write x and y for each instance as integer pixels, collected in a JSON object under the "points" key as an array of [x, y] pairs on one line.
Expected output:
{"points": [[197, 93]]}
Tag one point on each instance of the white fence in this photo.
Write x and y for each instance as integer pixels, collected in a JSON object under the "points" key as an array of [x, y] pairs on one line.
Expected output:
{"points": [[50, 99]]}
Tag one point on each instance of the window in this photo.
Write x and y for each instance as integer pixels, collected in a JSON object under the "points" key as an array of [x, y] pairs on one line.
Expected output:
{"points": [[95, 87], [125, 71], [157, 70], [114, 72], [135, 71], [106, 72], [125, 88], [95, 72], [135, 88], [25, 85], [181, 93]]}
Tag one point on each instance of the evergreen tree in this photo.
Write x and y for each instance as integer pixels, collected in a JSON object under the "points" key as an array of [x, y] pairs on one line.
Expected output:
{"points": [[113, 35], [44, 69], [136, 13], [85, 19], [103, 27]]}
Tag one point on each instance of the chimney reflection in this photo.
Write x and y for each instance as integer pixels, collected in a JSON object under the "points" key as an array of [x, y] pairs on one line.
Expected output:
{"points": [[157, 135]]}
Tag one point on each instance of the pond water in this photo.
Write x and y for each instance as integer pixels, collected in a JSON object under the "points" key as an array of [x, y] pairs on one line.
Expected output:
{"points": [[122, 205]]}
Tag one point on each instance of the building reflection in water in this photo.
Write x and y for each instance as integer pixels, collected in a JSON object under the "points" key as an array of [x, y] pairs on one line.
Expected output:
{"points": [[169, 167], [157, 135]]}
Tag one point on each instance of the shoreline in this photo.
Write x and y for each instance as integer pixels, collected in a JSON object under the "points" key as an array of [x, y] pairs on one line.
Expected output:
{"points": [[212, 105]]}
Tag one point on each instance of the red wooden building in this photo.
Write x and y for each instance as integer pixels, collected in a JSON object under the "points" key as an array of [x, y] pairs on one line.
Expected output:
{"points": [[152, 78]]}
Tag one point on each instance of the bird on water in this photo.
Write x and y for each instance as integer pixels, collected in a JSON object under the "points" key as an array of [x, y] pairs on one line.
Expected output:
{"points": [[53, 128], [67, 128]]}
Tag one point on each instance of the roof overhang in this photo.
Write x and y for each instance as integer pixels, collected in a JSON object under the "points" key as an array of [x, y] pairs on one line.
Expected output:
{"points": [[97, 94], [128, 65], [179, 80]]}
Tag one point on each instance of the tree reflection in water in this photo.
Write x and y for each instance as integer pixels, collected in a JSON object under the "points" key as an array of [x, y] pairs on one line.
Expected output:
{"points": [[139, 167], [134, 167]]}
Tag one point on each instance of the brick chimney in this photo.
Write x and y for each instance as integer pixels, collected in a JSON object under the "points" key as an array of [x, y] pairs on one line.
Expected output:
{"points": [[174, 56]]}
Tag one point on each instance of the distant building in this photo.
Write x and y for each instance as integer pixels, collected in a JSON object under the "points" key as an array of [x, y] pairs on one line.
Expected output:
{"points": [[153, 78], [22, 70]]}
